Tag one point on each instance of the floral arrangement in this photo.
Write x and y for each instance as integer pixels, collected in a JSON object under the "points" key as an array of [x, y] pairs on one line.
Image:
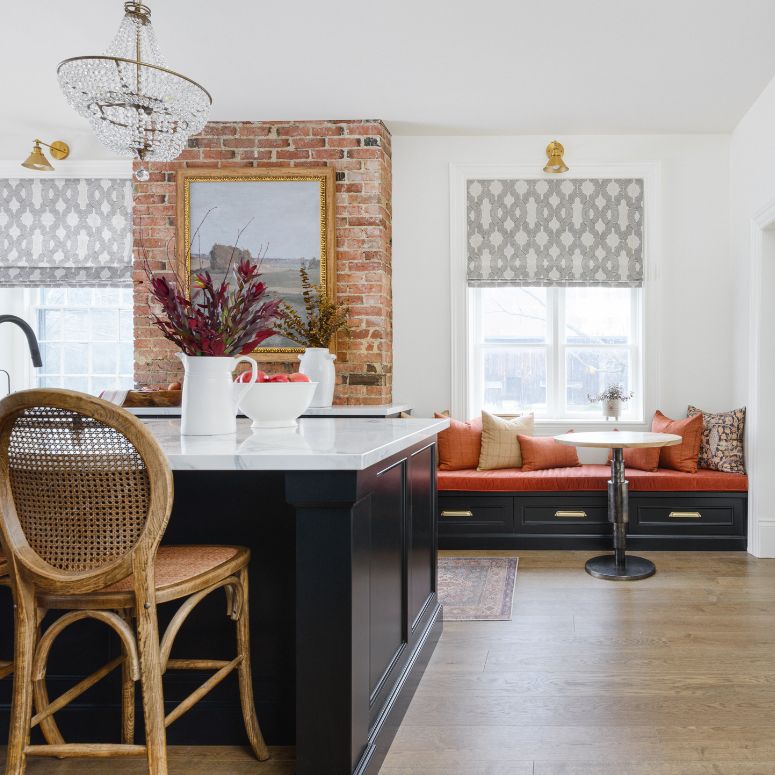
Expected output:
{"points": [[324, 318], [224, 319], [611, 393]]}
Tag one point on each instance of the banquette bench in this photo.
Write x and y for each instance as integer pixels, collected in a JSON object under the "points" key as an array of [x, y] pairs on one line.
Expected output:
{"points": [[567, 508]]}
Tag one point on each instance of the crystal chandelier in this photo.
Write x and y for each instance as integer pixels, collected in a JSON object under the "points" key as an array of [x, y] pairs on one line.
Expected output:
{"points": [[134, 102]]}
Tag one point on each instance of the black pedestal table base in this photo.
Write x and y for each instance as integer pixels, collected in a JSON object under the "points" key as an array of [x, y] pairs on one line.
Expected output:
{"points": [[634, 568], [618, 566]]}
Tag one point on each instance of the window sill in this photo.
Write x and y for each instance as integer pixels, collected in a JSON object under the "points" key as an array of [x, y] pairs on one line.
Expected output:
{"points": [[547, 427]]}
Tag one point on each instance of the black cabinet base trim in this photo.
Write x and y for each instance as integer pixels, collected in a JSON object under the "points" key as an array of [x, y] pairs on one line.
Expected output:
{"points": [[384, 729]]}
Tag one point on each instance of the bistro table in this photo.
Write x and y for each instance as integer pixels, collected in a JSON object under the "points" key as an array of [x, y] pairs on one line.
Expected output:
{"points": [[619, 566]]}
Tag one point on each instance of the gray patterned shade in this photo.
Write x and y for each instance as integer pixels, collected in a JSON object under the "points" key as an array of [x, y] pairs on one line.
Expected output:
{"points": [[555, 232], [65, 231]]}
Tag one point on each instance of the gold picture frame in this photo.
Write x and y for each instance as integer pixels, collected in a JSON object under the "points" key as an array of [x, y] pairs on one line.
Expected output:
{"points": [[293, 214]]}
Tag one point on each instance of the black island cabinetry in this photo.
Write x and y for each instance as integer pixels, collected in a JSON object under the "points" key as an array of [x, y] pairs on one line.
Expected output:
{"points": [[344, 611]]}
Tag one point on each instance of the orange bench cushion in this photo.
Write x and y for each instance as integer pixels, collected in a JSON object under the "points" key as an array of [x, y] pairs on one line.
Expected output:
{"points": [[589, 477]]}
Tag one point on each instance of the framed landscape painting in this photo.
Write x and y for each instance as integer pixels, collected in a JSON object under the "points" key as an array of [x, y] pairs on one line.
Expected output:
{"points": [[285, 215]]}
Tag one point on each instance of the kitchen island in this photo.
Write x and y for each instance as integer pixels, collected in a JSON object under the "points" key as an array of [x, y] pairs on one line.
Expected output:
{"points": [[340, 518]]}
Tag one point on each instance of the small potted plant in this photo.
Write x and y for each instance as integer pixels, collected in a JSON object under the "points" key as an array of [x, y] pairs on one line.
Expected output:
{"points": [[323, 319], [612, 399]]}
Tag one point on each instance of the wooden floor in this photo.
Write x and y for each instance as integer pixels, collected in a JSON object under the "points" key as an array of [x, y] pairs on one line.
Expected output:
{"points": [[674, 675]]}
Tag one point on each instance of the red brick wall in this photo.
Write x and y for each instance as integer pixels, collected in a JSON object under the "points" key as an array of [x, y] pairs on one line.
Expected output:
{"points": [[360, 152]]}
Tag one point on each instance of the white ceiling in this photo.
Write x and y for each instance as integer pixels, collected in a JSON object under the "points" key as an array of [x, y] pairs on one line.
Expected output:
{"points": [[427, 66]]}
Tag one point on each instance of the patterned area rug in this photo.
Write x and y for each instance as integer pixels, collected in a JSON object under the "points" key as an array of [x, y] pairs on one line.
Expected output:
{"points": [[477, 588]]}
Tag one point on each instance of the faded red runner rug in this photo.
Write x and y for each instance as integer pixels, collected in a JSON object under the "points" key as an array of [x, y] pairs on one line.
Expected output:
{"points": [[477, 588]]}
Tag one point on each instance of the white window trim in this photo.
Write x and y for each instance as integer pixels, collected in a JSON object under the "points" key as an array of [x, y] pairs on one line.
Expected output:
{"points": [[651, 318]]}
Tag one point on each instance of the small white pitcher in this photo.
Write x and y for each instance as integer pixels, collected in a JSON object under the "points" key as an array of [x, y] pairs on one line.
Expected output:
{"points": [[318, 364], [210, 397]]}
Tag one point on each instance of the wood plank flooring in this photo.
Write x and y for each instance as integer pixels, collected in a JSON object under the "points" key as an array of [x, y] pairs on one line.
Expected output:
{"points": [[673, 675]]}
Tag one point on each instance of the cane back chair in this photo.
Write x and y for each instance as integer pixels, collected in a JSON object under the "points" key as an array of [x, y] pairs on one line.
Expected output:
{"points": [[6, 666], [85, 496]]}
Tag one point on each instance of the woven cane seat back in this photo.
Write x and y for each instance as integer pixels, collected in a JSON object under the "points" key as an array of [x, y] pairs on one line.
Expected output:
{"points": [[80, 488]]}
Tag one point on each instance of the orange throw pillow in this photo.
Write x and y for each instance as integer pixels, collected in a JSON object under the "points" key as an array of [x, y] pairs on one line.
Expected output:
{"points": [[540, 452], [643, 459], [460, 444], [683, 456]]}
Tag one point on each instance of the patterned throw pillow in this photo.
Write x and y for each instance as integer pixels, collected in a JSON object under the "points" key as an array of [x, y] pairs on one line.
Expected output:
{"points": [[722, 440], [500, 446]]}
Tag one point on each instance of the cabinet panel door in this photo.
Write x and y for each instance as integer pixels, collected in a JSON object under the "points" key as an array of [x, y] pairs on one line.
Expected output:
{"points": [[387, 629], [421, 565]]}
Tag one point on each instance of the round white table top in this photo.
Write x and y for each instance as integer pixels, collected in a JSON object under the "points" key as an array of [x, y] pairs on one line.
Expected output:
{"points": [[619, 439]]}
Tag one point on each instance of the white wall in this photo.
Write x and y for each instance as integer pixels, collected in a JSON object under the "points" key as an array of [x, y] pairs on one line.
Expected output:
{"points": [[752, 190], [696, 340]]}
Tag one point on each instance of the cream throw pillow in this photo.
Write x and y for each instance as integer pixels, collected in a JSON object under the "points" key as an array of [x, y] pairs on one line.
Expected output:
{"points": [[500, 446]]}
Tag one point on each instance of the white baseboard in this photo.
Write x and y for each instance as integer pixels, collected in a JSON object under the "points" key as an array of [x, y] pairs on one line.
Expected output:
{"points": [[766, 542]]}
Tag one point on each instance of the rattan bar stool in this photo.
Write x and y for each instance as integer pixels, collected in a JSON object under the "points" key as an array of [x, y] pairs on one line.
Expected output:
{"points": [[6, 666], [85, 496]]}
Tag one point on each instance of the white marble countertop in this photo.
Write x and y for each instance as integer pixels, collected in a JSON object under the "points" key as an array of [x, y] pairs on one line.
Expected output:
{"points": [[380, 410], [318, 444]]}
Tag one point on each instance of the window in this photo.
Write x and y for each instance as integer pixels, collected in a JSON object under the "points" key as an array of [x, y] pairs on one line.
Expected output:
{"points": [[545, 349], [85, 337]]}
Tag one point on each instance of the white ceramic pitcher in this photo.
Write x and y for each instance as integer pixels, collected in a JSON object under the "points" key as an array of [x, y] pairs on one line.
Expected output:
{"points": [[210, 397], [318, 364]]}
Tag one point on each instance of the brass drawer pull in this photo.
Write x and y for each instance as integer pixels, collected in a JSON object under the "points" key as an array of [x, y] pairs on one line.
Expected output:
{"points": [[571, 514], [684, 515], [465, 513]]}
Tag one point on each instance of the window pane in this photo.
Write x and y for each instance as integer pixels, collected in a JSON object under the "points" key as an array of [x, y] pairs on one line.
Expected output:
{"points": [[76, 358], [79, 297], [49, 325], [76, 325], [104, 325], [51, 355], [126, 360], [53, 297], [92, 333], [80, 384], [591, 370], [597, 315], [104, 358], [514, 315], [107, 297], [515, 380]]}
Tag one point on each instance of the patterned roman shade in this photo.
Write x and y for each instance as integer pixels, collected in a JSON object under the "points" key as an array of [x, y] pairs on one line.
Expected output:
{"points": [[65, 231], [555, 232]]}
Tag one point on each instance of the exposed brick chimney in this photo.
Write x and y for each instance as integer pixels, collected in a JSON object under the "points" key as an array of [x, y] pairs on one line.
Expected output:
{"points": [[361, 154]]}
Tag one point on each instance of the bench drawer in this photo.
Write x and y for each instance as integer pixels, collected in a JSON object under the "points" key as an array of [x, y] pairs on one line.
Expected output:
{"points": [[697, 514], [567, 514], [481, 514], [688, 517], [562, 514]]}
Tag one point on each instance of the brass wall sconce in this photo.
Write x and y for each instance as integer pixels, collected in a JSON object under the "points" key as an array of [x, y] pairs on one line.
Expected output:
{"points": [[37, 159], [555, 164]]}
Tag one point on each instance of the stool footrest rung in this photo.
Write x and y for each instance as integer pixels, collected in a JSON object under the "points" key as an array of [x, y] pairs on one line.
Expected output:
{"points": [[197, 664], [86, 750], [76, 691], [203, 690]]}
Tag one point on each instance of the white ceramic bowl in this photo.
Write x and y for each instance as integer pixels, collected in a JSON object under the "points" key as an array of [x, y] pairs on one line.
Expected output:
{"points": [[276, 404]]}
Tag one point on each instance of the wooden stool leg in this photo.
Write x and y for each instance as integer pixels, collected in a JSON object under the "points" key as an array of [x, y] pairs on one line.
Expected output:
{"points": [[21, 704], [48, 726], [150, 678], [127, 691], [245, 677]]}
